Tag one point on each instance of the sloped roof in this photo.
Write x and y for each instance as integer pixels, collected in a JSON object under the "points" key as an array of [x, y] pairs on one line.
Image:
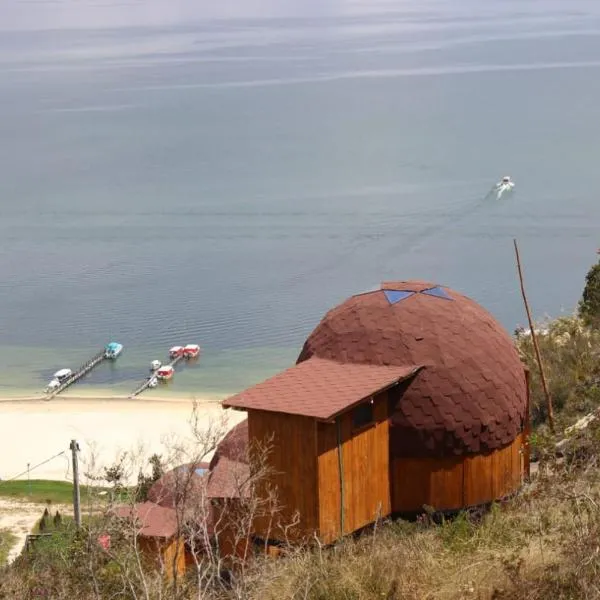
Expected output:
{"points": [[320, 388], [152, 520]]}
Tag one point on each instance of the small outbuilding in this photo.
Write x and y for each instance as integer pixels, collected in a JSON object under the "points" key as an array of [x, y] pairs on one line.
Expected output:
{"points": [[157, 535], [408, 396]]}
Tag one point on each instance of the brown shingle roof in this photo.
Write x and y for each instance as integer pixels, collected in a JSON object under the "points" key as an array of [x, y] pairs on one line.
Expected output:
{"points": [[185, 482], [228, 479], [229, 470], [151, 519], [234, 445], [471, 397], [320, 388]]}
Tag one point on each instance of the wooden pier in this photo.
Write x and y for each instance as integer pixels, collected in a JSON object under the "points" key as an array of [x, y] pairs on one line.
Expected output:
{"points": [[78, 374], [144, 385]]}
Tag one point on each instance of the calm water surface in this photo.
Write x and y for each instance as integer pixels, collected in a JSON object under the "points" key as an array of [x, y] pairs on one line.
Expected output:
{"points": [[174, 172]]}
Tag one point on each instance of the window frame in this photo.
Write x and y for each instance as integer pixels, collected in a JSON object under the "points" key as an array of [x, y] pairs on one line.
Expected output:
{"points": [[363, 424]]}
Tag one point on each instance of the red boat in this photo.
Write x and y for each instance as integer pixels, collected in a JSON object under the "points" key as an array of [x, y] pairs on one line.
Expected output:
{"points": [[176, 351], [165, 373], [191, 351]]}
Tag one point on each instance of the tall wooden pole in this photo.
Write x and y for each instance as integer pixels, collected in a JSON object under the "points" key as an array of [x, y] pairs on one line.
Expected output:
{"points": [[535, 344], [76, 496]]}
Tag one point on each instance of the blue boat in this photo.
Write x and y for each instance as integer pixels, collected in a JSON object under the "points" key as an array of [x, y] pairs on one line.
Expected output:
{"points": [[113, 350]]}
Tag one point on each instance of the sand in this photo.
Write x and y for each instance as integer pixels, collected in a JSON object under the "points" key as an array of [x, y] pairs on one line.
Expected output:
{"points": [[33, 430]]}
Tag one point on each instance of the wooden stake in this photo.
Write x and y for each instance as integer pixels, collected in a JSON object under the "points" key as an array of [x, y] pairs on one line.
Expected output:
{"points": [[535, 344]]}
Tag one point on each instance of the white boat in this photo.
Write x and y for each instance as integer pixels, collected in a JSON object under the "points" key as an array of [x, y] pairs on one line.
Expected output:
{"points": [[165, 372], [505, 185], [55, 383], [155, 364], [153, 382], [61, 375]]}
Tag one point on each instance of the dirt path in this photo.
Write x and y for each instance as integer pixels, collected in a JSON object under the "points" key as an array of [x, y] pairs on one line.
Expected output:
{"points": [[20, 517]]}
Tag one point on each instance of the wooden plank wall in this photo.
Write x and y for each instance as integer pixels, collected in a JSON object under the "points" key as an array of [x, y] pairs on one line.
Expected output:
{"points": [[293, 460], [233, 540], [418, 481], [164, 552], [365, 455], [453, 483]]}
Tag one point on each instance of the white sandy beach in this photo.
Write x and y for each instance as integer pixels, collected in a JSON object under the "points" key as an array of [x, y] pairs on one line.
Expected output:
{"points": [[33, 430]]}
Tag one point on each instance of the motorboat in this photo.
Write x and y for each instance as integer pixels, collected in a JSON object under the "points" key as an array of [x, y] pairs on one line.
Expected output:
{"points": [[61, 375], [165, 372], [155, 365], [506, 184], [191, 351], [153, 382], [113, 350], [176, 351], [53, 385]]}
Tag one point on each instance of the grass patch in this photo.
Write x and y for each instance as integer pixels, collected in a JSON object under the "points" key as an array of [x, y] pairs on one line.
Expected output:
{"points": [[44, 491], [7, 540]]}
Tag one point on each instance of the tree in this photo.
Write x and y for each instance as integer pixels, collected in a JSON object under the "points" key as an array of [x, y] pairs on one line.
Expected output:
{"points": [[589, 305], [145, 482]]}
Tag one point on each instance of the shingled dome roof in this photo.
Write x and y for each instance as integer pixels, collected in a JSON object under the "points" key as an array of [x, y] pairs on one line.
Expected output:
{"points": [[229, 470], [470, 397]]}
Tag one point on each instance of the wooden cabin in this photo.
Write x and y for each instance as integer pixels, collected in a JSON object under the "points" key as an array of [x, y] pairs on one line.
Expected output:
{"points": [[158, 536], [405, 397]]}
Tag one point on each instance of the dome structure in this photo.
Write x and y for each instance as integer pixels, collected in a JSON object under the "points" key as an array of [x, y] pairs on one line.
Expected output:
{"points": [[229, 470], [470, 394]]}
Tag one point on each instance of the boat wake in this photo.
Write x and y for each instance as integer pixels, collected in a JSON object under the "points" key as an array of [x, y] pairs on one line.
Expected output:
{"points": [[503, 187]]}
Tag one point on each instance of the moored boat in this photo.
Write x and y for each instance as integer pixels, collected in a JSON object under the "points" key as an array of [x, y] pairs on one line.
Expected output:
{"points": [[113, 350], [62, 374], [191, 351], [165, 372], [155, 364], [55, 383], [176, 351]]}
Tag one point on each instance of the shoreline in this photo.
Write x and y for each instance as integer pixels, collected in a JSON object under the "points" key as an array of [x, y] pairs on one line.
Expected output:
{"points": [[113, 398]]}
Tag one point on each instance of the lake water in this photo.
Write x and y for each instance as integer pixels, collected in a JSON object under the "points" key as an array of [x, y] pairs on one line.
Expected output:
{"points": [[176, 172]]}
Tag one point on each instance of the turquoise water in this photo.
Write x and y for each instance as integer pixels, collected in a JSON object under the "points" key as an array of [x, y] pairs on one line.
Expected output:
{"points": [[177, 172]]}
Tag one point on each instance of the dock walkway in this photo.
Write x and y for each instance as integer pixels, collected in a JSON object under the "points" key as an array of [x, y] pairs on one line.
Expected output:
{"points": [[144, 385], [84, 369]]}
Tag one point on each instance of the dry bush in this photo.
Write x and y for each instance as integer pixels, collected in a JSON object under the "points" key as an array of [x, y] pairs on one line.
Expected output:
{"points": [[570, 353]]}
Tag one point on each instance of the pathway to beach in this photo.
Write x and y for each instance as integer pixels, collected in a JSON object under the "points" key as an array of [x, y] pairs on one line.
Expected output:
{"points": [[20, 517]]}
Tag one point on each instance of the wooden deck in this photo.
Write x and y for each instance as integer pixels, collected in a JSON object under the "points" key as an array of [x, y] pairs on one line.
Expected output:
{"points": [[144, 385], [83, 370]]}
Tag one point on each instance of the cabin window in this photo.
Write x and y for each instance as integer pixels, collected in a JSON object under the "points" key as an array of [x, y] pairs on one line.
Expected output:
{"points": [[362, 415]]}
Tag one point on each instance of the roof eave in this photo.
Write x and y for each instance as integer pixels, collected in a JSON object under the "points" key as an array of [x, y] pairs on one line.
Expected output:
{"points": [[384, 388], [333, 416]]}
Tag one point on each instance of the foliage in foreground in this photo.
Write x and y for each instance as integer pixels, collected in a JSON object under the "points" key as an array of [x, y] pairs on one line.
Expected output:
{"points": [[570, 353], [7, 539], [542, 544], [589, 305]]}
